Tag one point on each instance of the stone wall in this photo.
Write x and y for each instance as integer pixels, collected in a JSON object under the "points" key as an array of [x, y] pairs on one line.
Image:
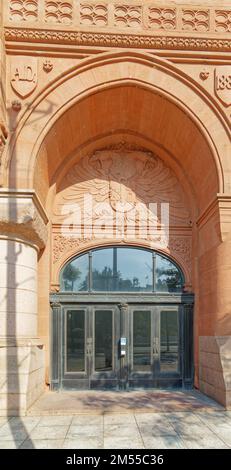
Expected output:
{"points": [[215, 368], [21, 376]]}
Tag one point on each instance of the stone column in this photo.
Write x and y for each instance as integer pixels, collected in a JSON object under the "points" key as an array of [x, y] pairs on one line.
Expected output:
{"points": [[23, 234]]}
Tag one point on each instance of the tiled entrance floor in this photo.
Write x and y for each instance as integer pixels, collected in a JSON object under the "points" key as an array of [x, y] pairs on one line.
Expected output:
{"points": [[170, 430], [122, 402], [124, 420]]}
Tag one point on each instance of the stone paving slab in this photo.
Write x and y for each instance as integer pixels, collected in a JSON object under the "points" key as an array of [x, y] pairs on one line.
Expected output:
{"points": [[135, 401], [189, 430]]}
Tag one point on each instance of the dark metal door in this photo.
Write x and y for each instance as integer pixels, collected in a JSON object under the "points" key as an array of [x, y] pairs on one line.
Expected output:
{"points": [[121, 346]]}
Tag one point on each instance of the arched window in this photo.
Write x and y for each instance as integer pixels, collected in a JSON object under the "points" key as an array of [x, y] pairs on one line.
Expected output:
{"points": [[121, 269]]}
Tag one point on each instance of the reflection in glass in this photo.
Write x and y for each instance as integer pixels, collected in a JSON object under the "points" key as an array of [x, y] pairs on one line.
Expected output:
{"points": [[75, 275], [168, 276], [169, 341], [141, 340], [134, 270], [75, 346], [121, 269], [103, 340], [103, 270]]}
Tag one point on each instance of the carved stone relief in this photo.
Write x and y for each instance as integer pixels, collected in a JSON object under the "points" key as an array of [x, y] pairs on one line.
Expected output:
{"points": [[109, 39], [24, 75], [162, 18], [118, 14], [47, 66], [223, 21], [59, 11], [23, 10], [128, 15], [222, 82], [195, 20], [93, 14], [122, 174]]}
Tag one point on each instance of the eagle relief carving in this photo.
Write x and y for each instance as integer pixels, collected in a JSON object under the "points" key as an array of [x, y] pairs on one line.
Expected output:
{"points": [[121, 175]]}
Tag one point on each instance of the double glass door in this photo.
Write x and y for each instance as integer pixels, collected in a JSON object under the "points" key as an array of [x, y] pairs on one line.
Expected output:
{"points": [[121, 346]]}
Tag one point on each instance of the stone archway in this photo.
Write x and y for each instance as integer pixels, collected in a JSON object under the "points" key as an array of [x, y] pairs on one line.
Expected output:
{"points": [[176, 120]]}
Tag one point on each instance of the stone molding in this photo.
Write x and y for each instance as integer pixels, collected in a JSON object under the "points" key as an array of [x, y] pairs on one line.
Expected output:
{"points": [[220, 207], [114, 39], [23, 217]]}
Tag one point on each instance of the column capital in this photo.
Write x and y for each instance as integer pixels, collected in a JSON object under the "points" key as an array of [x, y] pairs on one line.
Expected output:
{"points": [[23, 217]]}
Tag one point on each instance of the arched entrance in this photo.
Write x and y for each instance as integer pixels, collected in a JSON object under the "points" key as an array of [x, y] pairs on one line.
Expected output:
{"points": [[122, 320], [138, 108]]}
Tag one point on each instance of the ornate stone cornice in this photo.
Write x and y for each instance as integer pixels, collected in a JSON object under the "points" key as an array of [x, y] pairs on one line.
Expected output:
{"points": [[107, 39], [23, 217]]}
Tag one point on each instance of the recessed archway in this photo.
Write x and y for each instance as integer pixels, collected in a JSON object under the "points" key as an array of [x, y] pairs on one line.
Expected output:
{"points": [[136, 97]]}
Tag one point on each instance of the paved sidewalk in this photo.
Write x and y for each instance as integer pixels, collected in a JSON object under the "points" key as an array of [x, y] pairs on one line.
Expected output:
{"points": [[190, 430], [144, 419]]}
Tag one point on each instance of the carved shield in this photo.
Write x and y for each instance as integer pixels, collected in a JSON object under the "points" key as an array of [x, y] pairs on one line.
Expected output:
{"points": [[24, 75], [223, 84]]}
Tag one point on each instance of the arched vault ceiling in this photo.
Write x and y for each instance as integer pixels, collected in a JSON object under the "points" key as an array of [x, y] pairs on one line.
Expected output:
{"points": [[146, 118]]}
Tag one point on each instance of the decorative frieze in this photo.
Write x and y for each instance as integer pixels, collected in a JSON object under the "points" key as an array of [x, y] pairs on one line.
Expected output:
{"points": [[128, 16], [223, 21], [118, 40], [162, 18], [118, 15], [59, 12], [93, 14], [195, 20], [23, 10]]}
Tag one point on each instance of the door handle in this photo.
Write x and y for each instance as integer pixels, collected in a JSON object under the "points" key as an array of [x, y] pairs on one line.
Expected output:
{"points": [[156, 346]]}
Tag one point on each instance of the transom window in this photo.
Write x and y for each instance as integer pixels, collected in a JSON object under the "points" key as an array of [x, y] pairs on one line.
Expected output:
{"points": [[121, 269]]}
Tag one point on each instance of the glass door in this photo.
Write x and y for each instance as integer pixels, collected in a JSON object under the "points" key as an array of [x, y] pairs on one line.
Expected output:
{"points": [[171, 346], [155, 346], [90, 346], [75, 347], [144, 346], [104, 331]]}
